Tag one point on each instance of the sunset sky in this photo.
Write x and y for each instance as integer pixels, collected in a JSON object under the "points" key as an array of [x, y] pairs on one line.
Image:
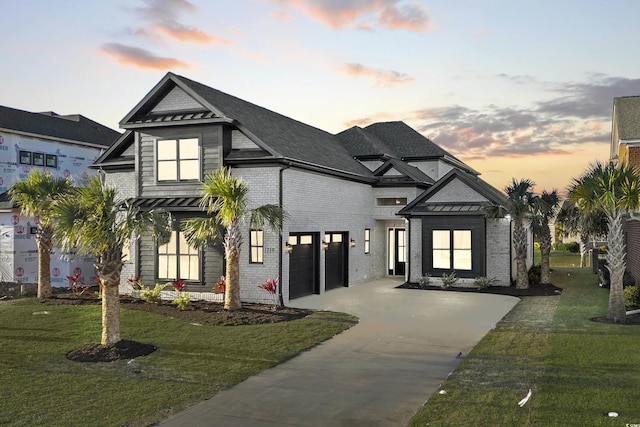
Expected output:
{"points": [[515, 88]]}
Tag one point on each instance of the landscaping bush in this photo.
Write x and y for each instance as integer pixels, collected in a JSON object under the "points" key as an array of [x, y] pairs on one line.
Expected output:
{"points": [[449, 280], [483, 282], [534, 275], [425, 281], [559, 246], [572, 247], [632, 297]]}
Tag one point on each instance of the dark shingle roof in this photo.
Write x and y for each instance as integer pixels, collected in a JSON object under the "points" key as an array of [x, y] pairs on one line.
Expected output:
{"points": [[75, 128], [396, 139], [627, 116], [281, 135]]}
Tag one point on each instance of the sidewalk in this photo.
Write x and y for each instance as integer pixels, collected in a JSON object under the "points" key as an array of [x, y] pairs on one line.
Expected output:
{"points": [[378, 373]]}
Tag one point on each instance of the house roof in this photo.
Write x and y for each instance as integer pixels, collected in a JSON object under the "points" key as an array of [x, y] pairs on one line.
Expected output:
{"points": [[422, 205], [408, 175], [627, 117], [69, 128], [280, 136], [395, 139]]}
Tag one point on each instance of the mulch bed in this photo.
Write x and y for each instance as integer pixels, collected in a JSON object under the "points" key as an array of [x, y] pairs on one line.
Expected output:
{"points": [[200, 312], [537, 290]]}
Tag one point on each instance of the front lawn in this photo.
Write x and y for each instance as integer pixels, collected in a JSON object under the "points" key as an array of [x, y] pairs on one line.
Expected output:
{"points": [[578, 370], [39, 386]]}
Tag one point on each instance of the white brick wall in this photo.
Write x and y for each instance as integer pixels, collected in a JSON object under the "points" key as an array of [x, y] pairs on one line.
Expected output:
{"points": [[125, 183], [498, 250]]}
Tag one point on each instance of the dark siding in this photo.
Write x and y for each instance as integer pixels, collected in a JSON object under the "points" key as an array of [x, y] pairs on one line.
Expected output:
{"points": [[211, 152], [478, 253], [633, 249]]}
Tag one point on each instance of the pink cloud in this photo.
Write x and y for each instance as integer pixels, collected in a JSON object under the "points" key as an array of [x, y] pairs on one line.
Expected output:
{"points": [[364, 14], [187, 34], [380, 77], [129, 55]]}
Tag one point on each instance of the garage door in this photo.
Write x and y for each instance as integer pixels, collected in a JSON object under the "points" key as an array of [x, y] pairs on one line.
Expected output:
{"points": [[303, 264], [336, 260]]}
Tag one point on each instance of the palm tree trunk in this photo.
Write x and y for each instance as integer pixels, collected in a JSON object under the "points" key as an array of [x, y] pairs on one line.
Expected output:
{"points": [[44, 268], [109, 271], [616, 263], [520, 246], [232, 244], [583, 249], [545, 251]]}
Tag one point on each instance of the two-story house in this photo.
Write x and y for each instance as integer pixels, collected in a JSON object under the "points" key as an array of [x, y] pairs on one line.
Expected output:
{"points": [[363, 204], [625, 148], [65, 145]]}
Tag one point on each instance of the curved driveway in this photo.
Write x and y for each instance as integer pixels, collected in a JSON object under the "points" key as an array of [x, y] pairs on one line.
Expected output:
{"points": [[378, 373]]}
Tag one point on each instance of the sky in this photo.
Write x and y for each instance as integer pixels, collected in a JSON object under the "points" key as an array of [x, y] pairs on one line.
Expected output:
{"points": [[515, 89]]}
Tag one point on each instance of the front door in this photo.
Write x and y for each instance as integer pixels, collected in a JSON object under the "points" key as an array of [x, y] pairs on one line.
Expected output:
{"points": [[397, 251]]}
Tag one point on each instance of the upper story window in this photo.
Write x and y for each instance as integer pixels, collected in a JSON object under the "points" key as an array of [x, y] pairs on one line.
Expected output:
{"points": [[256, 245], [391, 201], [178, 159], [367, 240]]}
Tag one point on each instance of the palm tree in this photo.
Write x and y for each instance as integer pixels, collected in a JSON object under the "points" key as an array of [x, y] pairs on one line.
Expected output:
{"points": [[586, 225], [614, 191], [35, 197], [225, 198], [544, 209], [519, 196], [92, 220]]}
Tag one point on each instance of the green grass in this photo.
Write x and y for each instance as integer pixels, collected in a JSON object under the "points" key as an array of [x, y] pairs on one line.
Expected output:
{"points": [[578, 370], [39, 386]]}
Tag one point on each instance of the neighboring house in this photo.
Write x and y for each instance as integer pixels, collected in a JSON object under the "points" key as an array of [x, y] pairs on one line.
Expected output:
{"points": [[625, 148], [363, 204], [64, 145]]}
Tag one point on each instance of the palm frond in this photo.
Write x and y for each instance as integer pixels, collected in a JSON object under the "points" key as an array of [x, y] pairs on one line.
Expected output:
{"points": [[272, 215], [202, 232]]}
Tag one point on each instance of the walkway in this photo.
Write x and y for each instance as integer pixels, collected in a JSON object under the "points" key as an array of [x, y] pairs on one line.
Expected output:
{"points": [[378, 373]]}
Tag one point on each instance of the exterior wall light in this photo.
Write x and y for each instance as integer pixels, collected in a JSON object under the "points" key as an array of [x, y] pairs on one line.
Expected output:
{"points": [[352, 243], [325, 245], [288, 248]]}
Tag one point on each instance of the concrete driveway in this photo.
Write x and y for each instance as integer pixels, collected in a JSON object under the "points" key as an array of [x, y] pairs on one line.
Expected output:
{"points": [[378, 373]]}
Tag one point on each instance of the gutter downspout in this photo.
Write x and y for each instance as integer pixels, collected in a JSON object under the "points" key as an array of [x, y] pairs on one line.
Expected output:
{"points": [[280, 240]]}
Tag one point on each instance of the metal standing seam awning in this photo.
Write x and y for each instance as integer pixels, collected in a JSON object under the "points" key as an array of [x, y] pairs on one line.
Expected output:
{"points": [[167, 203], [445, 208]]}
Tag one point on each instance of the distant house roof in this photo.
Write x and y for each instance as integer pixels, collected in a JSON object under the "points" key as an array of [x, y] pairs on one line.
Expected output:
{"points": [[394, 139], [69, 128]]}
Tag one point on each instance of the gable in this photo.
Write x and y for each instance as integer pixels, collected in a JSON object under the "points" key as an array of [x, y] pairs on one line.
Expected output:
{"points": [[177, 100], [457, 191]]}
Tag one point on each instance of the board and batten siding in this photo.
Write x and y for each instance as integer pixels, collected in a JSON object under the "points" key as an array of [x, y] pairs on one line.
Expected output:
{"points": [[212, 267], [211, 139]]}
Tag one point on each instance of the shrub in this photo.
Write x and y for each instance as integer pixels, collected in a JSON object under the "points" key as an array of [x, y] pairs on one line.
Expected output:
{"points": [[632, 296], [271, 286], [483, 282], [449, 280], [534, 275], [151, 295], [182, 300], [425, 281], [573, 247], [559, 246], [536, 246]]}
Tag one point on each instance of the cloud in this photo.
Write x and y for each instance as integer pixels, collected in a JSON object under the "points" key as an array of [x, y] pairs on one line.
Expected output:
{"points": [[380, 77], [138, 57], [571, 116], [364, 14], [162, 18]]}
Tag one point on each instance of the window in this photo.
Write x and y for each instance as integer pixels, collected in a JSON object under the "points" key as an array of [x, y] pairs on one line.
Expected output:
{"points": [[367, 241], [178, 159], [51, 161], [256, 245], [38, 159], [25, 157], [451, 249], [391, 201], [177, 259]]}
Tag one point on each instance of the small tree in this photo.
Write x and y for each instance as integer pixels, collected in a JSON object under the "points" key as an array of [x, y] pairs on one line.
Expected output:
{"points": [[544, 208], [615, 191], [225, 200], [519, 195], [93, 221], [35, 197]]}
